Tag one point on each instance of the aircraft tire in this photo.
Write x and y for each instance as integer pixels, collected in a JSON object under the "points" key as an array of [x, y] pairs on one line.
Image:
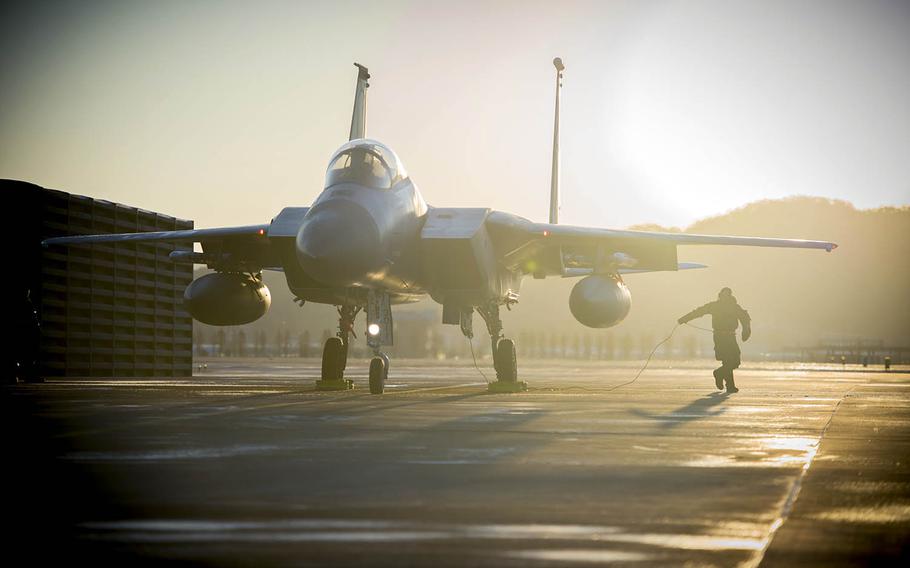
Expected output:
{"points": [[342, 359], [378, 373], [331, 359], [506, 361]]}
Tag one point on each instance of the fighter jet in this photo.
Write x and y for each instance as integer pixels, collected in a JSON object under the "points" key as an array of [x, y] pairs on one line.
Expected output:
{"points": [[369, 241]]}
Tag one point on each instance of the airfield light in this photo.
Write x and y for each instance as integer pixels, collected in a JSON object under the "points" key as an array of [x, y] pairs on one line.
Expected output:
{"points": [[261, 232], [546, 233], [373, 329]]}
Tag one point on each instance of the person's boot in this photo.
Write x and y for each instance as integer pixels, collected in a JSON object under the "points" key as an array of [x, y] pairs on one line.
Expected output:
{"points": [[731, 386], [718, 379]]}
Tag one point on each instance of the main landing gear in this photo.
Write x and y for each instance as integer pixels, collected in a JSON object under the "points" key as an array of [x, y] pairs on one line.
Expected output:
{"points": [[504, 359], [335, 352]]}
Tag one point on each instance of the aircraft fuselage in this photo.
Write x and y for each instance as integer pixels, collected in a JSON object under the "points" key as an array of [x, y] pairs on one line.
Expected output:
{"points": [[361, 234]]}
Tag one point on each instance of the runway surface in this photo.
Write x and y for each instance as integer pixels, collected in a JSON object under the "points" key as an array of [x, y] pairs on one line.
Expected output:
{"points": [[245, 464]]}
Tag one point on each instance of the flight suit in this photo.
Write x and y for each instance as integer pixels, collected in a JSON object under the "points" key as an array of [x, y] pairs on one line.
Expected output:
{"points": [[726, 315]]}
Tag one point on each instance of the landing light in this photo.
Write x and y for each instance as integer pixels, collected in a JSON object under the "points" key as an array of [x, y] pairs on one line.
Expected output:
{"points": [[373, 329]]}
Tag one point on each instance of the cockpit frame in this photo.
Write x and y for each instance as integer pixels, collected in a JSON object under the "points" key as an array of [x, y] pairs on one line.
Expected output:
{"points": [[367, 163]]}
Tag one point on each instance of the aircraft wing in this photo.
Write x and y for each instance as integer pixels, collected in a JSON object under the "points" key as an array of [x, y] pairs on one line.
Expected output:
{"points": [[193, 235], [576, 233], [241, 249], [545, 249]]}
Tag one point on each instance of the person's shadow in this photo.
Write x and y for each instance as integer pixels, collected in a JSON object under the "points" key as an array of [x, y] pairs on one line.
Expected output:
{"points": [[695, 410]]}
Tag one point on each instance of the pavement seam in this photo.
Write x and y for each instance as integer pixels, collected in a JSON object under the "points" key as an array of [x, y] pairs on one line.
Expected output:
{"points": [[793, 494]]}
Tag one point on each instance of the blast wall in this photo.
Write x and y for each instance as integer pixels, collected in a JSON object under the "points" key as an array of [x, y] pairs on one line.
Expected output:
{"points": [[105, 309]]}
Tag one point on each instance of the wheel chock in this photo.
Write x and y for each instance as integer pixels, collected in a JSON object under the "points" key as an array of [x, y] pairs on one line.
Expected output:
{"points": [[507, 386], [334, 384]]}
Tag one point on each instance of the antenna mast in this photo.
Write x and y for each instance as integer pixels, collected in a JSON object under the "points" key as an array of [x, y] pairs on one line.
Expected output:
{"points": [[554, 180]]}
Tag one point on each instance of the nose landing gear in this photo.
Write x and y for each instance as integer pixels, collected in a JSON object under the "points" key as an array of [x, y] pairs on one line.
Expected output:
{"points": [[379, 333]]}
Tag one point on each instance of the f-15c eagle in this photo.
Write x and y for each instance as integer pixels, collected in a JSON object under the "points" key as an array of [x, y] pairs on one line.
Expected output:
{"points": [[370, 241]]}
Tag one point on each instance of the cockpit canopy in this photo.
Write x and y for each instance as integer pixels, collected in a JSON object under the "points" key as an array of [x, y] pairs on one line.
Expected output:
{"points": [[365, 162]]}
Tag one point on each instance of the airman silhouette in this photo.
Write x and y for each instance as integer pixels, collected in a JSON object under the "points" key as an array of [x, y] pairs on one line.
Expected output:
{"points": [[726, 315]]}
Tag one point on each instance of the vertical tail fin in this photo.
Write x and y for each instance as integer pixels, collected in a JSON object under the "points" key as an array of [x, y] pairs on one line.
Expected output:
{"points": [[359, 119], [554, 179]]}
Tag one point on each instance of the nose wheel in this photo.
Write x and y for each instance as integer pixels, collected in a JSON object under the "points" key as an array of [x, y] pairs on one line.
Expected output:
{"points": [[379, 372], [379, 333]]}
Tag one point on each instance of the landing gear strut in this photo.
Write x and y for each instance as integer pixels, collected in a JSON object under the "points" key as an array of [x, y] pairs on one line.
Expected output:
{"points": [[504, 359], [335, 352], [379, 333]]}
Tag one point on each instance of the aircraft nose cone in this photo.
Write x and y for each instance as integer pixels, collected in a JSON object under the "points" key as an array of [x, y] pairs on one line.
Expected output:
{"points": [[339, 243]]}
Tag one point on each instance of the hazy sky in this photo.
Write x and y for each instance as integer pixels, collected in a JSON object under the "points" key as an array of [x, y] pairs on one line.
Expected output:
{"points": [[225, 112]]}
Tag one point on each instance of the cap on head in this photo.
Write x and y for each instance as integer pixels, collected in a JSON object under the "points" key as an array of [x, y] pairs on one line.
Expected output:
{"points": [[725, 293]]}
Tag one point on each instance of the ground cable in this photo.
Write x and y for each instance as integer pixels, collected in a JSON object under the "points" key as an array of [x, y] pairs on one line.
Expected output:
{"points": [[640, 371], [474, 357], [647, 361]]}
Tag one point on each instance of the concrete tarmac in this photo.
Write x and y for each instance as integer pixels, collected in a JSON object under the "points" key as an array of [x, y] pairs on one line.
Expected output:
{"points": [[245, 464]]}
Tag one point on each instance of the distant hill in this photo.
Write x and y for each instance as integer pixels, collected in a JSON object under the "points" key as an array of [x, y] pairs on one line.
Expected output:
{"points": [[795, 297], [861, 290]]}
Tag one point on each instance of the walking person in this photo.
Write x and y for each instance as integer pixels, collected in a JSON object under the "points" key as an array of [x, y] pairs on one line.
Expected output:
{"points": [[726, 315]]}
